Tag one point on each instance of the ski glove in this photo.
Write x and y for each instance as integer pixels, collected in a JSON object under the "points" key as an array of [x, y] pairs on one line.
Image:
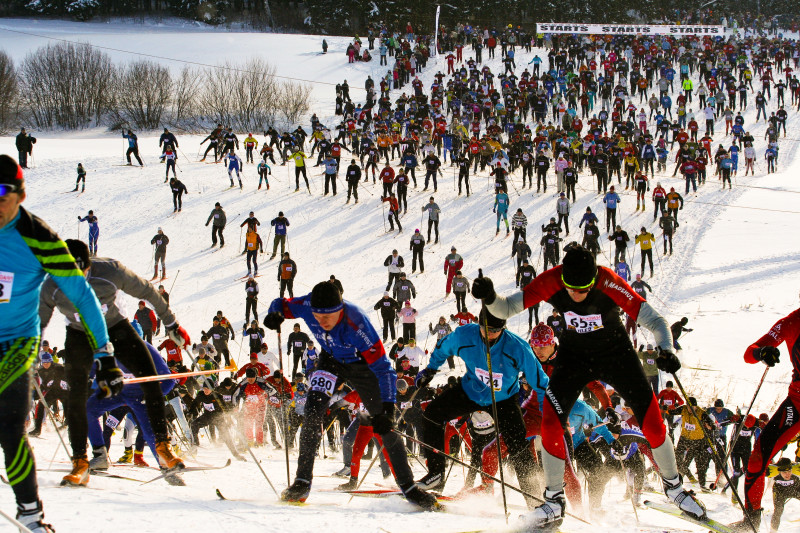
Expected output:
{"points": [[109, 376], [424, 377], [483, 289], [668, 362], [178, 335], [769, 355], [384, 422], [273, 320]]}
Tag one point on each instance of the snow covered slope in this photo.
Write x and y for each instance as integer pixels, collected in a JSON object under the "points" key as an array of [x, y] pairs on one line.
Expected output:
{"points": [[733, 273]]}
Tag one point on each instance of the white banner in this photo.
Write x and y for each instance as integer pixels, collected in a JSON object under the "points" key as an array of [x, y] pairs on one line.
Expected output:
{"points": [[436, 32], [630, 29]]}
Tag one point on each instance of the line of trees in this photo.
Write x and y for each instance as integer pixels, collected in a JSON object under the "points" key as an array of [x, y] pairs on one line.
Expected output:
{"points": [[73, 86]]}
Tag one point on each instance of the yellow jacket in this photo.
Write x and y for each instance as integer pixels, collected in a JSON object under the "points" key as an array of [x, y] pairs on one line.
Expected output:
{"points": [[250, 141], [690, 426], [646, 240]]}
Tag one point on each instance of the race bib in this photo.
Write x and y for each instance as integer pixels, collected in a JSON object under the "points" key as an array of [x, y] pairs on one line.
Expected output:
{"points": [[208, 406], [252, 399], [216, 335], [690, 427], [274, 401], [651, 361], [322, 381], [298, 344], [227, 397], [112, 422], [405, 405], [667, 402], [216, 216], [159, 242], [288, 269], [583, 323], [496, 379], [63, 385], [254, 335], [745, 433]]}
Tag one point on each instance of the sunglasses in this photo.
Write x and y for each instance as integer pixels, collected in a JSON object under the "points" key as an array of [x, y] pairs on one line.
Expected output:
{"points": [[7, 188], [493, 330]]}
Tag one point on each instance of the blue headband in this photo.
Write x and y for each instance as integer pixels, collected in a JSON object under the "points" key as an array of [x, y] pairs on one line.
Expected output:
{"points": [[325, 310]]}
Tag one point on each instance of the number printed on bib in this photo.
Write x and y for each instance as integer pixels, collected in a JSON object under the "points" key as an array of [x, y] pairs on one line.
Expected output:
{"points": [[583, 323], [322, 381], [6, 284], [690, 427], [497, 379]]}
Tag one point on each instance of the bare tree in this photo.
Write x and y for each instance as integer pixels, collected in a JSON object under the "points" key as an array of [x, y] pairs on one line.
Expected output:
{"points": [[66, 85], [143, 92], [9, 91], [184, 97], [294, 101]]}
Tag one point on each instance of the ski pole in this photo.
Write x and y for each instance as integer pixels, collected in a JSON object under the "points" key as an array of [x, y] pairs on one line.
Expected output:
{"points": [[174, 280], [283, 416], [383, 216], [163, 377], [494, 408], [50, 416], [739, 427], [255, 460], [14, 522], [241, 228], [480, 472], [714, 451]]}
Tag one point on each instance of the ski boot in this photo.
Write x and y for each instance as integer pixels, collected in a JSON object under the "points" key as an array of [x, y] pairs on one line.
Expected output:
{"points": [[344, 472], [138, 460], [127, 456], [425, 500], [276, 445], [433, 481], [350, 485], [550, 514], [297, 492], [684, 499], [31, 516], [174, 479], [167, 457], [99, 460], [754, 515], [79, 475]]}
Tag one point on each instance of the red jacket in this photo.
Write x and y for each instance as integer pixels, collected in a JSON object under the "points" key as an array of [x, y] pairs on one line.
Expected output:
{"points": [[261, 369], [787, 330], [173, 352]]}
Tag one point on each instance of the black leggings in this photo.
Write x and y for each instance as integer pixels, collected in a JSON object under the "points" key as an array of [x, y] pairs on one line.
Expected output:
{"points": [[16, 358], [363, 380], [131, 351]]}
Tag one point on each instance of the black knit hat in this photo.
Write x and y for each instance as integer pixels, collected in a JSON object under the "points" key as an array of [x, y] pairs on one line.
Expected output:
{"points": [[80, 251], [485, 317], [10, 172], [325, 298], [578, 268], [784, 464]]}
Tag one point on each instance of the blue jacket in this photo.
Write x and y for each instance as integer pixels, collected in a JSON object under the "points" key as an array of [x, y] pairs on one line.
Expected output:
{"points": [[582, 416], [623, 270], [501, 202], [352, 340], [31, 250], [588, 217], [511, 355], [611, 199], [280, 225]]}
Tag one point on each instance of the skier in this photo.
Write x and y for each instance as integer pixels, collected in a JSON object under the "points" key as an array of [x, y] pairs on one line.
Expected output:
{"points": [[300, 168], [353, 177], [264, 171], [417, 247], [250, 144], [646, 241], [433, 218], [394, 212], [520, 224], [432, 166], [474, 343], [178, 188], [234, 164], [133, 147], [218, 216], [213, 142], [287, 270], [442, 329], [453, 262], [501, 204], [621, 240], [81, 178], [641, 287], [253, 245], [296, 345], [587, 296], [107, 277], [167, 141], [394, 262], [53, 382], [550, 242], [668, 225], [460, 287], [388, 308], [24, 143], [786, 487], [408, 317], [611, 199], [353, 351], [281, 224], [251, 298], [94, 231], [169, 156], [404, 290], [159, 243], [562, 210]]}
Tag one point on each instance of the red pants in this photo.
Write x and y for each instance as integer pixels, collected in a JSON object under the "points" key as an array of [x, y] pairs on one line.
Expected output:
{"points": [[363, 436], [450, 429], [781, 428], [450, 275], [254, 420]]}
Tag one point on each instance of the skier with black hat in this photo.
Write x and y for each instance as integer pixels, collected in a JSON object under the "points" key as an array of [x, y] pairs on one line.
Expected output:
{"points": [[351, 350], [594, 346]]}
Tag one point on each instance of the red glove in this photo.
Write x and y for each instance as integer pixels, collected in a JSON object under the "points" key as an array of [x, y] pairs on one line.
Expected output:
{"points": [[178, 335]]}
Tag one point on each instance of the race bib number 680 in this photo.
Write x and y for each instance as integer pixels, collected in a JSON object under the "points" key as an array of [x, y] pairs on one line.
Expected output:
{"points": [[583, 323], [322, 381]]}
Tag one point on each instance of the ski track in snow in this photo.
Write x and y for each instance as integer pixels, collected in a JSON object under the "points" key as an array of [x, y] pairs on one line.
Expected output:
{"points": [[733, 274]]}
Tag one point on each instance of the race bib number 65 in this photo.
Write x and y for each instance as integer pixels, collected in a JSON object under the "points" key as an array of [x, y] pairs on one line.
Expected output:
{"points": [[583, 323], [322, 381], [496, 381]]}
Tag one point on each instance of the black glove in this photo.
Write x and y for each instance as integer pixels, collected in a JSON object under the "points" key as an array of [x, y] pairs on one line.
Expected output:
{"points": [[273, 320], [109, 376], [612, 416], [384, 422], [769, 355], [424, 377], [668, 362], [483, 289]]}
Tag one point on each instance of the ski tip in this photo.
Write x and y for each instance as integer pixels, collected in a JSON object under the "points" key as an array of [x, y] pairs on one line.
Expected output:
{"points": [[219, 495]]}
